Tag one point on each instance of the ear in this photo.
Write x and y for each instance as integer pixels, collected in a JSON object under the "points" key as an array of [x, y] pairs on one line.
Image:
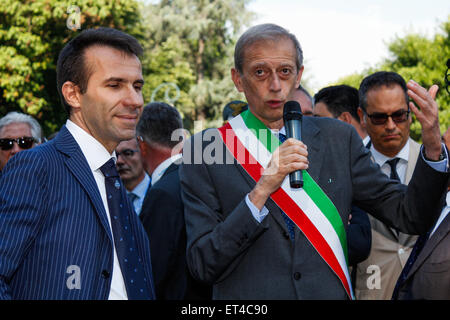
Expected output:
{"points": [[72, 94], [236, 77], [361, 117], [346, 117], [142, 148]]}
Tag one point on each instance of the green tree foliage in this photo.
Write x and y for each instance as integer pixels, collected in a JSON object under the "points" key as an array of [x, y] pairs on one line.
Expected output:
{"points": [[421, 59], [33, 32], [190, 43]]}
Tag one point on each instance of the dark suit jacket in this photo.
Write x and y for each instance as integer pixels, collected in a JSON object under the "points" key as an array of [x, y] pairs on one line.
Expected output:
{"points": [[53, 224], [244, 259], [429, 277], [359, 236], [163, 219]]}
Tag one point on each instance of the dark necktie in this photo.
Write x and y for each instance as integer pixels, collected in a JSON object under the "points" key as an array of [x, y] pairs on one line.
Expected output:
{"points": [[124, 241], [394, 176], [289, 223], [418, 246], [393, 164]]}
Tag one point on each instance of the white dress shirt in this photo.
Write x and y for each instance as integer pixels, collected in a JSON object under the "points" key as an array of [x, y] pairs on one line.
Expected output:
{"points": [[96, 156], [402, 164], [159, 171], [444, 213]]}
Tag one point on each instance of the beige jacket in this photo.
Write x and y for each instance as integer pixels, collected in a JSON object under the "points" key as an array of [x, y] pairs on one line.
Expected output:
{"points": [[377, 275]]}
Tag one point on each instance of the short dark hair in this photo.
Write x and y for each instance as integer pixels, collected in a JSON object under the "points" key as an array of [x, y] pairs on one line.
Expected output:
{"points": [[71, 62], [377, 80], [339, 99], [264, 32], [157, 124]]}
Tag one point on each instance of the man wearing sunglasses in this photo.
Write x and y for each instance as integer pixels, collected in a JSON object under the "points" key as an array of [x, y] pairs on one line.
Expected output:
{"points": [[385, 114], [18, 131]]}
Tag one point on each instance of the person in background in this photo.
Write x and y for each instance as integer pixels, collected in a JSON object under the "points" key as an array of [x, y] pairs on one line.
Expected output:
{"points": [[340, 102], [232, 109], [131, 171], [385, 114], [159, 131], [302, 96], [18, 131], [426, 274]]}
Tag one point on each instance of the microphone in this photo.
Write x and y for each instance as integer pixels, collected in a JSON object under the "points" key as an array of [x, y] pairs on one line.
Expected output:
{"points": [[292, 116]]}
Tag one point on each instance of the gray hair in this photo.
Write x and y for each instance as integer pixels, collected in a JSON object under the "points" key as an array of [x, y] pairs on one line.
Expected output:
{"points": [[16, 117], [264, 32]]}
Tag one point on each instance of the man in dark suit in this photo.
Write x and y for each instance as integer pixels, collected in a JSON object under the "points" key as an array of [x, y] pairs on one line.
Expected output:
{"points": [[67, 230], [426, 274], [160, 132], [238, 238]]}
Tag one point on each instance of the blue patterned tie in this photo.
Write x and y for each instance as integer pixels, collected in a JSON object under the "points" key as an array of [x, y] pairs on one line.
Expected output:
{"points": [[289, 223], [130, 262]]}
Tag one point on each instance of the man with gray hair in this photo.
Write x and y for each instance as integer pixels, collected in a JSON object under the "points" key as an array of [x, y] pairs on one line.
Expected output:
{"points": [[18, 131], [252, 236]]}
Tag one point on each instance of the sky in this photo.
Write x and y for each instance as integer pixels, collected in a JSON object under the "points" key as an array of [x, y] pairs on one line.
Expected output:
{"points": [[339, 38]]}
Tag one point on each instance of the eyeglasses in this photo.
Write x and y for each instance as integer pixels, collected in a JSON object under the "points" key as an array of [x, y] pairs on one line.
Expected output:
{"points": [[127, 153], [23, 143], [381, 118]]}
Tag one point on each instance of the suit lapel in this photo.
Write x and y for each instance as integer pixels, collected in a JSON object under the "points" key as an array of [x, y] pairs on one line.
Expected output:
{"points": [[414, 150], [77, 164], [316, 149], [440, 233]]}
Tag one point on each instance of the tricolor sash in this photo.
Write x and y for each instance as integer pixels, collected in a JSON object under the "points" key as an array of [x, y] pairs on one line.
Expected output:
{"points": [[252, 144]]}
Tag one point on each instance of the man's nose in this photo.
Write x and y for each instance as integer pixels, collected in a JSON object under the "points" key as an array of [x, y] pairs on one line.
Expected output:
{"points": [[390, 124], [133, 98], [275, 83], [15, 149]]}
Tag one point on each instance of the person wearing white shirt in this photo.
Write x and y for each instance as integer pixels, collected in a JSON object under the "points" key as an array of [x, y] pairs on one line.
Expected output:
{"points": [[132, 173], [67, 230], [385, 114]]}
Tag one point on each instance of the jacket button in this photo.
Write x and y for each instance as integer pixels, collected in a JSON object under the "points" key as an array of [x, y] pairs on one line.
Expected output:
{"points": [[105, 274], [297, 275], [286, 235]]}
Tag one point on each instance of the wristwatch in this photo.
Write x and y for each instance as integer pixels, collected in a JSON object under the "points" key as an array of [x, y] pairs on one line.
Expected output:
{"points": [[441, 156]]}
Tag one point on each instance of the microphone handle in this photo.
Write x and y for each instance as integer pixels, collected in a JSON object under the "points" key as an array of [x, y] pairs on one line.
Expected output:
{"points": [[293, 130]]}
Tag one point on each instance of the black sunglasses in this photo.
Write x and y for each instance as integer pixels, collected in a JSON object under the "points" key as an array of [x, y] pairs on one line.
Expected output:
{"points": [[126, 153], [381, 118], [23, 143]]}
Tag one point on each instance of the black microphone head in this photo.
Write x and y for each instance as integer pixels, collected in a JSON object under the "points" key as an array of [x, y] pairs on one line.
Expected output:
{"points": [[292, 111]]}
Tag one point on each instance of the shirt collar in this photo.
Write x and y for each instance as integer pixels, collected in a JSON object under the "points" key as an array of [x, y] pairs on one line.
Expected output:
{"points": [[381, 158], [159, 171], [94, 152], [141, 189]]}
